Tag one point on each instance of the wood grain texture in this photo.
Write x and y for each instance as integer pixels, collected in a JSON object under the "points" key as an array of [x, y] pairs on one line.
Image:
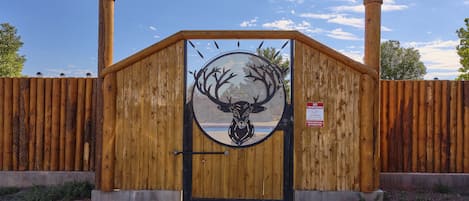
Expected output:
{"points": [[7, 120], [55, 128], [47, 122], [70, 124], [15, 123], [32, 123], [147, 93], [24, 124], [326, 158], [37, 114], [39, 145], [1, 122], [436, 122]]}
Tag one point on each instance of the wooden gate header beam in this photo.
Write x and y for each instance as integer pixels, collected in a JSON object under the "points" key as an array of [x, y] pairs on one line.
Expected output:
{"points": [[231, 34]]}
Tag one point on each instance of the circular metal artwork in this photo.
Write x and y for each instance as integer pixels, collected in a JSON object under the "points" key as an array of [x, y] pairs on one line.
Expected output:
{"points": [[238, 98]]}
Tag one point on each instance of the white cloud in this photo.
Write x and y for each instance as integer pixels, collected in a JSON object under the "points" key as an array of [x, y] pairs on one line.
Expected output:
{"points": [[441, 75], [288, 24], [342, 35], [386, 29], [356, 8], [341, 19], [249, 23], [318, 16], [280, 24], [156, 36], [348, 21], [388, 5], [296, 1], [440, 55], [152, 28], [355, 55]]}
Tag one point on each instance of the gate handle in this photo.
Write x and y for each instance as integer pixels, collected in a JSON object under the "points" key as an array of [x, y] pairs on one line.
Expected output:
{"points": [[200, 152]]}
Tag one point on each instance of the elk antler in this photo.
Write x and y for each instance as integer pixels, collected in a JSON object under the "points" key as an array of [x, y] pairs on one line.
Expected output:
{"points": [[270, 76], [220, 80]]}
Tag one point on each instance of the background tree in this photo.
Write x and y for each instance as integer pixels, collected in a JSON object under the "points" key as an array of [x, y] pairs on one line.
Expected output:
{"points": [[11, 63], [398, 63], [463, 51], [270, 53]]}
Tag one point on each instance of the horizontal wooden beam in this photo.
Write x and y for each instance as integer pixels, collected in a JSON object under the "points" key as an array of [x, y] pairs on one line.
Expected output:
{"points": [[236, 34]]}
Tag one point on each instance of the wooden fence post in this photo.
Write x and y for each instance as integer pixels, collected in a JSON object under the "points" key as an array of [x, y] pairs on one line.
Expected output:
{"points": [[105, 142], [372, 59]]}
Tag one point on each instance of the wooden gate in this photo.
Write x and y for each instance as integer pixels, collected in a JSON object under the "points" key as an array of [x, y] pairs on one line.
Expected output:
{"points": [[216, 172]]}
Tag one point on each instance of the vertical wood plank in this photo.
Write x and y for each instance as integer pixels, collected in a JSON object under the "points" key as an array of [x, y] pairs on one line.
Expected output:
{"points": [[70, 125], [63, 122], [407, 126], [94, 129], [55, 128], [341, 123], [465, 130], [384, 124], [39, 162], [180, 112], [331, 117], [398, 131], [7, 130], [437, 127], [444, 155], [355, 121], [80, 116], [88, 124], [15, 123], [453, 126], [1, 121], [460, 128], [153, 72], [415, 125], [32, 123], [430, 128], [324, 143], [24, 124], [47, 122], [393, 109], [422, 129]]}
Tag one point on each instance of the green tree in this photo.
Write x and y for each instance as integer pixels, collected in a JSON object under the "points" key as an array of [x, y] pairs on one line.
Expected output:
{"points": [[270, 53], [463, 51], [398, 63], [11, 63]]}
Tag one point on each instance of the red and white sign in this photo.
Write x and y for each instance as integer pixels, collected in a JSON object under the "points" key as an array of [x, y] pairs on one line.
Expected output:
{"points": [[315, 114]]}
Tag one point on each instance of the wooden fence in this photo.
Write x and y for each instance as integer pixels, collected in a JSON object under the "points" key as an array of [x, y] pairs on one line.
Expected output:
{"points": [[425, 126], [47, 124]]}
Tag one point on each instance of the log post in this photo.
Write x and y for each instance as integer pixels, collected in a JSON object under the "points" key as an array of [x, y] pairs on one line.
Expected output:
{"points": [[105, 102], [369, 139], [372, 33]]}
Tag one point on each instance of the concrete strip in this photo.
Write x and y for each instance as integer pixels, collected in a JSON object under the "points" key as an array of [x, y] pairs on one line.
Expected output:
{"points": [[423, 181], [338, 196], [31, 178], [137, 195]]}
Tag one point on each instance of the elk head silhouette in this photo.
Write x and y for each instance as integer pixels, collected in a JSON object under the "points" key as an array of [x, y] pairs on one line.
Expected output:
{"points": [[241, 128]]}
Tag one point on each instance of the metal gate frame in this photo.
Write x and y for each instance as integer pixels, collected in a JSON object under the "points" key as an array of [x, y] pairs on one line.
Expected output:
{"points": [[286, 124]]}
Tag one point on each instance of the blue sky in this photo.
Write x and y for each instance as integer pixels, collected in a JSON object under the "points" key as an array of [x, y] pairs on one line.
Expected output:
{"points": [[61, 35]]}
